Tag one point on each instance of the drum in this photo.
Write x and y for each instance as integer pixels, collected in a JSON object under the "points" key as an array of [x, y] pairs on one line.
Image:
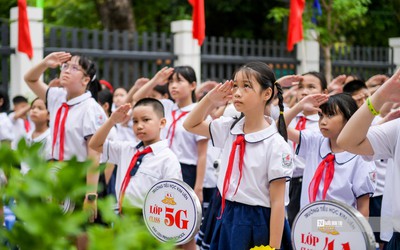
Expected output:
{"points": [[172, 211], [331, 225]]}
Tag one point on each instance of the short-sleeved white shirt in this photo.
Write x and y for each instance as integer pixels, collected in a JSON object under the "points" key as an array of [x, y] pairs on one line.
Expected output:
{"points": [[184, 144], [267, 157], [211, 175], [6, 128], [311, 124], [85, 116], [157, 165], [353, 177], [45, 150], [385, 141], [125, 132], [19, 129]]}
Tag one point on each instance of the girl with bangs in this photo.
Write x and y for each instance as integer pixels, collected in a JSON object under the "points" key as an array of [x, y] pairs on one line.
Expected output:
{"points": [[330, 172]]}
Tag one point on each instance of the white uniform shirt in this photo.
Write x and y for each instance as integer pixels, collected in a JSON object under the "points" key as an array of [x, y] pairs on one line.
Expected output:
{"points": [[311, 124], [386, 209], [157, 165], [85, 116], [267, 157], [353, 177], [125, 132], [211, 175], [45, 150], [19, 129], [6, 128], [385, 141], [184, 144]]}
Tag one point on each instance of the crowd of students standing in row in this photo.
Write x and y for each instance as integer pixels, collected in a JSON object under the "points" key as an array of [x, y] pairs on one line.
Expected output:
{"points": [[255, 149]]}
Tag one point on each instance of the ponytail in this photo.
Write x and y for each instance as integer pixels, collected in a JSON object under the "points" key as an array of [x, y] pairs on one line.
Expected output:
{"points": [[281, 120]]}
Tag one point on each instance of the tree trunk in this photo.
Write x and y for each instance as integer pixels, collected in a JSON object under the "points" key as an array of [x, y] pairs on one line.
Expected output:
{"points": [[116, 14], [328, 63]]}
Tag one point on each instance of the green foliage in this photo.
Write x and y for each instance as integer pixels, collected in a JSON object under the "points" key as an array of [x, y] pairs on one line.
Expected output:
{"points": [[42, 224]]}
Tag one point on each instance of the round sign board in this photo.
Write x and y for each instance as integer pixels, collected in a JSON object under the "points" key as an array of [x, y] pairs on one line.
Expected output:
{"points": [[172, 211], [331, 225]]}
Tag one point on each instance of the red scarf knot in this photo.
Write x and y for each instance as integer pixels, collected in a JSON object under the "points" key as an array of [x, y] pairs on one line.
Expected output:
{"points": [[173, 125], [329, 164]]}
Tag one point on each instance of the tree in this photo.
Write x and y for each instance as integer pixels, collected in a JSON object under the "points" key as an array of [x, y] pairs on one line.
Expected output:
{"points": [[116, 14], [338, 17]]}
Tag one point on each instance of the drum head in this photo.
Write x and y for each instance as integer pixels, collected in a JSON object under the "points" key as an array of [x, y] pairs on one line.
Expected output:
{"points": [[331, 225], [172, 211]]}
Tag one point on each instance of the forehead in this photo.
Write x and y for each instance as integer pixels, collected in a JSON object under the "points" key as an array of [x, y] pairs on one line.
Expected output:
{"points": [[244, 76], [119, 91], [74, 60], [310, 79], [38, 102], [143, 110]]}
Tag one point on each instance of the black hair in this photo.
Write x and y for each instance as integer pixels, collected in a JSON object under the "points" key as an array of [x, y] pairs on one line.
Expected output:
{"points": [[90, 70], [342, 103], [19, 99], [265, 76], [158, 107], [187, 72], [6, 101], [162, 89], [321, 78], [354, 86], [105, 96]]}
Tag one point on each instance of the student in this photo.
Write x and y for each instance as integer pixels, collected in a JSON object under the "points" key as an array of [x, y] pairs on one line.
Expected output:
{"points": [[253, 175], [75, 114], [358, 90], [379, 141], [330, 172], [124, 129], [22, 124], [158, 161], [6, 130], [311, 83], [41, 134]]}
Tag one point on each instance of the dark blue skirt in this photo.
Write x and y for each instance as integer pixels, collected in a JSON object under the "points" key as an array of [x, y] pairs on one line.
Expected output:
{"points": [[394, 243], [243, 227]]}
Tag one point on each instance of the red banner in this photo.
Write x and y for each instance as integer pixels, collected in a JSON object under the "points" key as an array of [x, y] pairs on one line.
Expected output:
{"points": [[295, 29], [199, 20], [24, 37]]}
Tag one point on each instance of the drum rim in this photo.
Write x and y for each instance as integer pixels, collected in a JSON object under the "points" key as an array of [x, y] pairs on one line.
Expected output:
{"points": [[360, 220], [195, 201]]}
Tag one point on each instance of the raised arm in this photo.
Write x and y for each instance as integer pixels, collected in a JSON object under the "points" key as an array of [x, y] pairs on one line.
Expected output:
{"points": [[195, 122], [353, 137], [32, 77], [98, 139], [160, 78], [138, 84]]}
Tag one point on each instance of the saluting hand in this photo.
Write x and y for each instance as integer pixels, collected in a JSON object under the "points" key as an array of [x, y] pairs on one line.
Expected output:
{"points": [[121, 114], [55, 59], [221, 94]]}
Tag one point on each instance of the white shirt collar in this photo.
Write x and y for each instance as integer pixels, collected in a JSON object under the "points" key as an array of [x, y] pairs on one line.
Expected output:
{"points": [[79, 99], [187, 108], [155, 147], [314, 117], [340, 158], [256, 136]]}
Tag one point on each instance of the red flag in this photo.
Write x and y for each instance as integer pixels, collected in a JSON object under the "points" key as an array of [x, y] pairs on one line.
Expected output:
{"points": [[295, 29], [199, 20], [24, 37]]}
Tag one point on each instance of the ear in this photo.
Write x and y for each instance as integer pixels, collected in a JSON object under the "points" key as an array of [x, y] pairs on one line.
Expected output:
{"points": [[163, 122], [85, 81], [193, 86], [1, 102], [266, 95]]}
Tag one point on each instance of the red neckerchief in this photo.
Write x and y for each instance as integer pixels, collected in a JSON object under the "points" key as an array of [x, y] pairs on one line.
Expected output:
{"points": [[329, 163], [242, 145]]}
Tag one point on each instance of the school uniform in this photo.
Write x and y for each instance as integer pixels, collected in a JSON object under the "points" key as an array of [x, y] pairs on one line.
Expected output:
{"points": [[45, 151], [6, 128], [125, 132], [21, 128], [353, 176], [300, 122], [181, 142], [385, 141], [157, 165], [84, 117], [267, 157]]}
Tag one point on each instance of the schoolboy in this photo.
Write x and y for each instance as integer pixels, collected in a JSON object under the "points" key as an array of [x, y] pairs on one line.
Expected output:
{"points": [[136, 174]]}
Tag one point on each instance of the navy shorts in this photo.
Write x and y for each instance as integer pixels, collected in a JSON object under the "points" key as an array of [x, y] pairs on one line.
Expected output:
{"points": [[189, 174]]}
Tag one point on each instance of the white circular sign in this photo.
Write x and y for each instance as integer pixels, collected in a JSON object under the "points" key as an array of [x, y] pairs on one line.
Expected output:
{"points": [[172, 211], [331, 225]]}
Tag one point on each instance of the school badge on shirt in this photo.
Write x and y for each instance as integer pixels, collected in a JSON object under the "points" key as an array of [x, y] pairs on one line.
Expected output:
{"points": [[372, 176], [100, 119], [286, 160]]}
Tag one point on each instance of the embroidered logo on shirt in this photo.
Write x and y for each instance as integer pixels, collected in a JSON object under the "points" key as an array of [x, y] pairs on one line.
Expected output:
{"points": [[372, 176], [100, 119], [286, 160]]}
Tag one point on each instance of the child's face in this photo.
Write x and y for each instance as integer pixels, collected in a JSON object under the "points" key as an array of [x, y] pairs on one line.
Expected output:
{"points": [[247, 93], [119, 97], [38, 112], [308, 86], [147, 124], [331, 125], [180, 89], [73, 77], [360, 96], [20, 106]]}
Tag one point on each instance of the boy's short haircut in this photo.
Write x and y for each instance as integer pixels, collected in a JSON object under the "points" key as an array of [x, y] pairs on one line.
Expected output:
{"points": [[19, 99], [158, 107], [354, 86]]}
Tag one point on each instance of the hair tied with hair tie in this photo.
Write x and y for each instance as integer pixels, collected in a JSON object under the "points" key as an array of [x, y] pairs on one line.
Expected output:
{"points": [[276, 82], [93, 78]]}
